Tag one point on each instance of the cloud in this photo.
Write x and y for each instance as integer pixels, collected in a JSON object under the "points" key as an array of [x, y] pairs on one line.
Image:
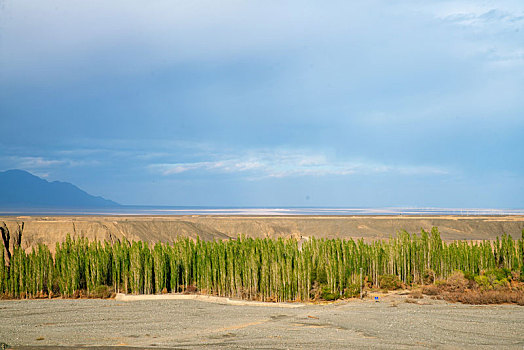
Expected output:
{"points": [[129, 37], [492, 34], [483, 18], [197, 91], [280, 164], [38, 163]]}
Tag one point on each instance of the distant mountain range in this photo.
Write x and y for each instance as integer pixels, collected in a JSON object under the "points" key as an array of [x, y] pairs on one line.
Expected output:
{"points": [[21, 189]]}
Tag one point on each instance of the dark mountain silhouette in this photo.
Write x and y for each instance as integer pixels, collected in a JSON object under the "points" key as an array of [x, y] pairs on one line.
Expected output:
{"points": [[21, 189]]}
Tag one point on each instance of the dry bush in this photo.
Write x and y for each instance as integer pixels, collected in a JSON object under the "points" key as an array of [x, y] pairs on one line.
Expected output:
{"points": [[191, 289], [484, 290], [431, 290], [488, 290], [314, 292], [515, 276], [40, 295], [456, 282], [487, 297], [416, 295], [410, 301], [429, 277], [102, 292]]}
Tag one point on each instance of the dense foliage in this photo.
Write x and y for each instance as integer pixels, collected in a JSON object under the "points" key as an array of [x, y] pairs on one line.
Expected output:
{"points": [[263, 269]]}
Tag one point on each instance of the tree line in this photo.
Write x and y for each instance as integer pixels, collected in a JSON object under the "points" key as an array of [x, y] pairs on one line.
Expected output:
{"points": [[248, 268]]}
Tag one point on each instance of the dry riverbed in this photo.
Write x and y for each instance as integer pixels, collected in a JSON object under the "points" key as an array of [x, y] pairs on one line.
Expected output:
{"points": [[182, 324]]}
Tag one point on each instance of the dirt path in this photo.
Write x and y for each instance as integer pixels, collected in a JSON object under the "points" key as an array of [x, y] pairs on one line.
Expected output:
{"points": [[184, 324], [205, 298]]}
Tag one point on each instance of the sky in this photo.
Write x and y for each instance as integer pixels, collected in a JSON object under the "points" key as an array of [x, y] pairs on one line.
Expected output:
{"points": [[268, 103]]}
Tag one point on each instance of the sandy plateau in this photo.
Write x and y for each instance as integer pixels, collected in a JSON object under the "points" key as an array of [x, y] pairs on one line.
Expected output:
{"points": [[49, 230]]}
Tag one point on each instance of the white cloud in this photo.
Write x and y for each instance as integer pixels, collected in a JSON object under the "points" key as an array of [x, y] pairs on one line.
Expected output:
{"points": [[279, 164], [490, 31], [36, 163], [482, 17]]}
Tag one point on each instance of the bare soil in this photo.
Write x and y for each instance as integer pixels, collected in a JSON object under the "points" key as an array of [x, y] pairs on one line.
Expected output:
{"points": [[49, 230], [395, 321]]}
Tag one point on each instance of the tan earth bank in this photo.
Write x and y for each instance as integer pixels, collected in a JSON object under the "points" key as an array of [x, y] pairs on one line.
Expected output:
{"points": [[49, 230]]}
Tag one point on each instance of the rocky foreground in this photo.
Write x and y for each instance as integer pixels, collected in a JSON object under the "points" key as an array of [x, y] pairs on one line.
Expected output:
{"points": [[392, 322]]}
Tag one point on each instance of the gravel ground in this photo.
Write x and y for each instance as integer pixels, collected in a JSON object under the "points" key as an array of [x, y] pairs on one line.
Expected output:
{"points": [[181, 324]]}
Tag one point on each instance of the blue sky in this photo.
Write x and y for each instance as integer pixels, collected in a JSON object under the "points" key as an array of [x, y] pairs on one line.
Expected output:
{"points": [[246, 103]]}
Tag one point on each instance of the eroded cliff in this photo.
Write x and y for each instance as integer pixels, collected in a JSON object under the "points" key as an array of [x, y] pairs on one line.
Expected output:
{"points": [[28, 231]]}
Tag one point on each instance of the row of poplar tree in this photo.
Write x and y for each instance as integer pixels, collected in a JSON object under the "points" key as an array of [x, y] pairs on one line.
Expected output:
{"points": [[262, 269]]}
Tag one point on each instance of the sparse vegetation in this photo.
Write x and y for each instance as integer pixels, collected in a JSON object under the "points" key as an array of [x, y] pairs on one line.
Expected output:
{"points": [[494, 286], [264, 269], [416, 295]]}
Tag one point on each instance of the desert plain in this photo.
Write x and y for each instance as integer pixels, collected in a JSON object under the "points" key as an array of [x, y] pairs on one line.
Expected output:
{"points": [[390, 323]]}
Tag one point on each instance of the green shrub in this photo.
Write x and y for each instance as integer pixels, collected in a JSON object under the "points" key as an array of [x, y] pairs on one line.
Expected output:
{"points": [[389, 282], [328, 295], [491, 279], [103, 292], [501, 284], [484, 282], [469, 276], [499, 274], [319, 276], [352, 291]]}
